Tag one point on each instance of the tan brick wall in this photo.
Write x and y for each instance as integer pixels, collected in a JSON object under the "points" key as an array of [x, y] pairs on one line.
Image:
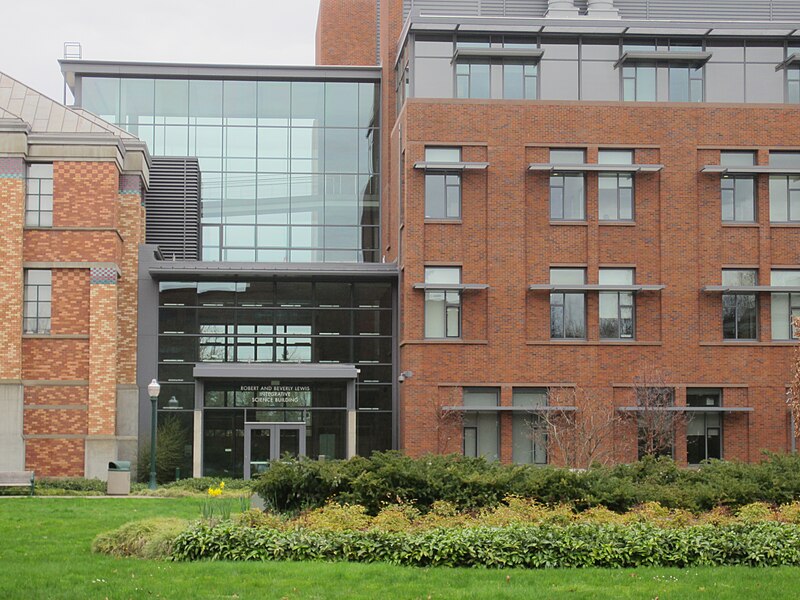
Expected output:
{"points": [[55, 457], [72, 246], [12, 199], [55, 359], [55, 422], [56, 395], [346, 32], [506, 240], [131, 224], [84, 194], [70, 307], [103, 359]]}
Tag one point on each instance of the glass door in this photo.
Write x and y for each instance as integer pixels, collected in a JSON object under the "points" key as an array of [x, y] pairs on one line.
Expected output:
{"points": [[265, 442]]}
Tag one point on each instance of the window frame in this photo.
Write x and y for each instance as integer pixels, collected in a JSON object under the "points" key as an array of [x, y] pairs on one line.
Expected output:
{"points": [[469, 76], [620, 307], [562, 296], [536, 79], [35, 216], [792, 190], [471, 421], [538, 439], [737, 307], [617, 176], [451, 303], [32, 308], [793, 306], [793, 84], [690, 70], [558, 181], [706, 427]]}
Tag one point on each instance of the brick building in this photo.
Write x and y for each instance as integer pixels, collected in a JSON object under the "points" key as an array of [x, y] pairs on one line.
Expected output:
{"points": [[472, 215], [71, 188]]}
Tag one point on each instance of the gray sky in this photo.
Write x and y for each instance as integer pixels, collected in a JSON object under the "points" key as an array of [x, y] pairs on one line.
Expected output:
{"points": [[268, 32]]}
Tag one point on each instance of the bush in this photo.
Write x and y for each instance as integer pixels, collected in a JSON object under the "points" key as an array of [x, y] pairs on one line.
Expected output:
{"points": [[335, 517], [475, 484], [543, 546], [61, 486], [258, 518], [170, 443], [151, 538]]}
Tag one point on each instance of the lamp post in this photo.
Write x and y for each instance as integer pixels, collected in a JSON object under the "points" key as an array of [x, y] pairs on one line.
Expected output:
{"points": [[153, 390]]}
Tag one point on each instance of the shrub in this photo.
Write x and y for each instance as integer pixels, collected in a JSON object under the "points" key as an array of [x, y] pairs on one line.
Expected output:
{"points": [[395, 517], [336, 517], [258, 518], [170, 444], [756, 512], [543, 546], [474, 484], [151, 538], [790, 513]]}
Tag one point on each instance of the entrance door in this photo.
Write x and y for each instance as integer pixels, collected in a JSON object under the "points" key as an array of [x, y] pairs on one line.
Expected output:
{"points": [[265, 442]]}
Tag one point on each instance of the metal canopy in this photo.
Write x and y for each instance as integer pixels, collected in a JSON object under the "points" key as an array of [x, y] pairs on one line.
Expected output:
{"points": [[689, 409], [519, 409], [566, 287], [451, 286], [750, 170], [519, 53], [238, 371], [697, 58], [749, 289], [191, 269], [582, 167], [793, 59], [450, 166]]}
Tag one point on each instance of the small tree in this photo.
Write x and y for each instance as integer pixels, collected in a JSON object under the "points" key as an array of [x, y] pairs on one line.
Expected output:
{"points": [[447, 423], [582, 436], [171, 440], [656, 423], [793, 394]]}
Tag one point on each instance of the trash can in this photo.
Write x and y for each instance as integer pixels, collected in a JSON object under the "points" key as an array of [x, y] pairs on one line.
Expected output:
{"points": [[119, 478]]}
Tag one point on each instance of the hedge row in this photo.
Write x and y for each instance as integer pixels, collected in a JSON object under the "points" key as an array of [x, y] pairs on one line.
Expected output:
{"points": [[577, 545], [474, 483]]}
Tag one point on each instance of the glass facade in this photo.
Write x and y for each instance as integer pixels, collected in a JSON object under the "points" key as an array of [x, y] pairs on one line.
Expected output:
{"points": [[286, 321], [290, 169]]}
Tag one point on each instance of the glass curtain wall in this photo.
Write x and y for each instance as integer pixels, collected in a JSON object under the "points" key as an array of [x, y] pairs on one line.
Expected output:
{"points": [[273, 322], [290, 169]]}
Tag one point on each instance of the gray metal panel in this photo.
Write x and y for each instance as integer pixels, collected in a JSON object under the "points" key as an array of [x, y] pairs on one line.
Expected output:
{"points": [[688, 409], [191, 269], [451, 166], [274, 371], [173, 207], [733, 10], [483, 8], [520, 409]]}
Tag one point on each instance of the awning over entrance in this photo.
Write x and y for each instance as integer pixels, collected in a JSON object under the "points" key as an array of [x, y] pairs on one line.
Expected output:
{"points": [[235, 371]]}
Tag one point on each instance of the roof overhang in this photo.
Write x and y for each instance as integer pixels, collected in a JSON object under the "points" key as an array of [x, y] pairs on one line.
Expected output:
{"points": [[554, 287], [443, 287], [533, 54], [451, 166], [240, 371], [749, 170], [515, 409], [659, 56], [750, 289], [189, 270], [688, 409], [591, 167]]}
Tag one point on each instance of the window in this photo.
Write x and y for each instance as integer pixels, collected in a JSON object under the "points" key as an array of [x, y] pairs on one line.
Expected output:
{"points": [[528, 433], [567, 198], [616, 308], [686, 83], [38, 289], [39, 198], [481, 429], [738, 192], [703, 429], [784, 190], [793, 85], [472, 79], [443, 189], [615, 199], [639, 83], [785, 305], [442, 307], [520, 81], [740, 311], [567, 309]]}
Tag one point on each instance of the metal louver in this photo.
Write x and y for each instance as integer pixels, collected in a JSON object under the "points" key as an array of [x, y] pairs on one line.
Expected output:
{"points": [[173, 207]]}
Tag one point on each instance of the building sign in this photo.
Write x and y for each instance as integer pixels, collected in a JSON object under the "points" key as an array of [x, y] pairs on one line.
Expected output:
{"points": [[272, 395]]}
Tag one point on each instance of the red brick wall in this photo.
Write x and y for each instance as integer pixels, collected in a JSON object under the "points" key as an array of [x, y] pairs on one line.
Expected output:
{"points": [[52, 457], [84, 194], [70, 307], [507, 241], [346, 32], [12, 199]]}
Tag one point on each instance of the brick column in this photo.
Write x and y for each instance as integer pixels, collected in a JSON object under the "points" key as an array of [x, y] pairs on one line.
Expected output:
{"points": [[12, 199], [101, 443]]}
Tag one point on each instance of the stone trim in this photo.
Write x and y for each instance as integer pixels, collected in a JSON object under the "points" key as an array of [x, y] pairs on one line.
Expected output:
{"points": [[55, 383], [55, 407], [103, 276]]}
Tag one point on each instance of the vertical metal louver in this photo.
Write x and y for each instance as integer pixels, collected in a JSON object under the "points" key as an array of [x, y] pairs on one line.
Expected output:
{"points": [[173, 207]]}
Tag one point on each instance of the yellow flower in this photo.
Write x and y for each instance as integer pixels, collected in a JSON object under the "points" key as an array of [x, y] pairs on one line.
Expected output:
{"points": [[222, 485]]}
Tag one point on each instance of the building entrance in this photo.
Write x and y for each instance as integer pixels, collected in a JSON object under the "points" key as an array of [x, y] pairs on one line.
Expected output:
{"points": [[264, 442]]}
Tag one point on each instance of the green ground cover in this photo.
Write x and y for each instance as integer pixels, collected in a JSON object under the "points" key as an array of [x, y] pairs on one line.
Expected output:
{"points": [[45, 553]]}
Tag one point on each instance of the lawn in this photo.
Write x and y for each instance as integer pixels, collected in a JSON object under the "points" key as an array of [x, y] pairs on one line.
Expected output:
{"points": [[44, 553]]}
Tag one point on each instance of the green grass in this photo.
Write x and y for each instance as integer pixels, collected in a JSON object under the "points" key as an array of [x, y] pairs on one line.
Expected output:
{"points": [[44, 553]]}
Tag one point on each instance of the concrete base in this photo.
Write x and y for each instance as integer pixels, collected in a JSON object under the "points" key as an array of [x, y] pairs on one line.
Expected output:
{"points": [[128, 424], [99, 452], [12, 446]]}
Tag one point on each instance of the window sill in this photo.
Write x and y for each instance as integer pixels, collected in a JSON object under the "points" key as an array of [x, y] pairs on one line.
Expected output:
{"points": [[785, 224], [748, 343], [55, 336], [591, 343], [609, 223], [578, 223], [455, 342], [734, 224], [443, 221]]}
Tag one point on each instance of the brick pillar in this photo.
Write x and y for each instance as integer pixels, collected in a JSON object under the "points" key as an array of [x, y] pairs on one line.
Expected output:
{"points": [[12, 199], [101, 443]]}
